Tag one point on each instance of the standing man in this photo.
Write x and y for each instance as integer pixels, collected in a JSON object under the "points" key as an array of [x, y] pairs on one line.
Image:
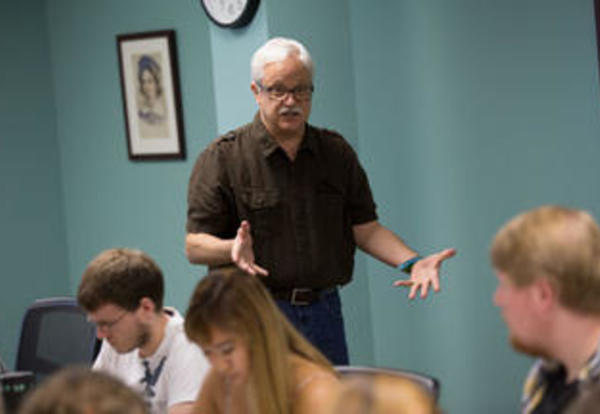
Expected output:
{"points": [[143, 343], [547, 262], [282, 198]]}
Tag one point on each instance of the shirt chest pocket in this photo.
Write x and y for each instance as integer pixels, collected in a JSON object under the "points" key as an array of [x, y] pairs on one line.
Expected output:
{"points": [[330, 201], [331, 221], [330, 212], [263, 210]]}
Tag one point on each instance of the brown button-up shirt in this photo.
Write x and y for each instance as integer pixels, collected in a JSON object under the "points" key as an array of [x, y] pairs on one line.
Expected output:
{"points": [[301, 212]]}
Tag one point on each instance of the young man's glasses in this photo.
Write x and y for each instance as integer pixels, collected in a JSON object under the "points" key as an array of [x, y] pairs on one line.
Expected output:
{"points": [[105, 326], [279, 92]]}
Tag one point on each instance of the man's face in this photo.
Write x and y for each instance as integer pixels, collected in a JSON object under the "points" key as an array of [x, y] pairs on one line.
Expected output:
{"points": [[517, 304], [121, 328], [287, 116]]}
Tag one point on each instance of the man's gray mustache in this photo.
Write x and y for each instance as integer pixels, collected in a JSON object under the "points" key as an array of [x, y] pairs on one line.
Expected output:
{"points": [[290, 111]]}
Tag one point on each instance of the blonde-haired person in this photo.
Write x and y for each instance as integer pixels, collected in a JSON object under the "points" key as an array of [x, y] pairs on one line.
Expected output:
{"points": [[260, 363], [547, 262], [78, 390]]}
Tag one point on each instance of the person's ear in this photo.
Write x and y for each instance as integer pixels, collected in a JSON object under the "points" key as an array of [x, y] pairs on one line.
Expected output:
{"points": [[544, 294], [255, 90], [147, 305]]}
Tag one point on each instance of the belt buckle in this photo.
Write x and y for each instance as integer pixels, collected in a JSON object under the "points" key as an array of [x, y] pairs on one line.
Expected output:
{"points": [[297, 302]]}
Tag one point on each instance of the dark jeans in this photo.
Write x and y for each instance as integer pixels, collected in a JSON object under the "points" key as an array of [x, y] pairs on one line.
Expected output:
{"points": [[322, 324]]}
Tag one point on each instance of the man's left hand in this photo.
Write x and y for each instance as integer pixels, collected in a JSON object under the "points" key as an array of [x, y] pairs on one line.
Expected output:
{"points": [[426, 273]]}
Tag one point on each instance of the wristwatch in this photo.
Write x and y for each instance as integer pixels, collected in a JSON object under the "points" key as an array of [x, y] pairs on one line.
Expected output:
{"points": [[407, 265]]}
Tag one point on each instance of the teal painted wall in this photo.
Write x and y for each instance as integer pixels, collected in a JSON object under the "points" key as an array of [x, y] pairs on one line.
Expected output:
{"points": [[469, 112], [32, 237], [462, 112], [232, 51], [109, 200]]}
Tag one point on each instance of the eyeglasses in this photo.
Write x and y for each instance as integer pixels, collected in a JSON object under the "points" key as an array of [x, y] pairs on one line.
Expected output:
{"points": [[279, 93], [105, 326]]}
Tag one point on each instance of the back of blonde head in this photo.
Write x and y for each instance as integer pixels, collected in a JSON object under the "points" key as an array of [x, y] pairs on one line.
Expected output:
{"points": [[558, 243], [82, 391], [383, 394]]}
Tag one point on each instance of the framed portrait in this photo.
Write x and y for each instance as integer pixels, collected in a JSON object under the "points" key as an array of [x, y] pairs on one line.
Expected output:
{"points": [[151, 95]]}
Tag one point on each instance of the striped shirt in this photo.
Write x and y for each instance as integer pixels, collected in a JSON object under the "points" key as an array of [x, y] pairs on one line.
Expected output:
{"points": [[546, 391]]}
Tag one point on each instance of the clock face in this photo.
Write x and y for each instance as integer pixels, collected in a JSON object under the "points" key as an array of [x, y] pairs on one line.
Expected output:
{"points": [[230, 13]]}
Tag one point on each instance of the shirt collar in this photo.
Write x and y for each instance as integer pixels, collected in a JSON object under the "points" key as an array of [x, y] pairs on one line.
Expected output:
{"points": [[592, 368], [269, 145], [538, 377]]}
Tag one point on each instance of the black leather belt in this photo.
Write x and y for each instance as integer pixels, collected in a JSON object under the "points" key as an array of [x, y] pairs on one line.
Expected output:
{"points": [[300, 296]]}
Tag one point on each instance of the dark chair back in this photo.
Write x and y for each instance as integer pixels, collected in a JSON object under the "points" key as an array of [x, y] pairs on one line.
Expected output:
{"points": [[429, 383], [14, 387], [55, 333]]}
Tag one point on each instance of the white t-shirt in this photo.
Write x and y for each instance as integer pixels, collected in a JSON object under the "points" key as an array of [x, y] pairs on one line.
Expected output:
{"points": [[175, 371]]}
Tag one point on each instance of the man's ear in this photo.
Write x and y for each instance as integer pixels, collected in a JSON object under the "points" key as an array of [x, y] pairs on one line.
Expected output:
{"points": [[544, 293], [147, 305], [255, 90]]}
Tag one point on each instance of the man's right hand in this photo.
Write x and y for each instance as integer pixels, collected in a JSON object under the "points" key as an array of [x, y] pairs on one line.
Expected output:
{"points": [[242, 253]]}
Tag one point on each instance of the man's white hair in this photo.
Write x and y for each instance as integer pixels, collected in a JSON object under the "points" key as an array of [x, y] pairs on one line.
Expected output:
{"points": [[278, 49]]}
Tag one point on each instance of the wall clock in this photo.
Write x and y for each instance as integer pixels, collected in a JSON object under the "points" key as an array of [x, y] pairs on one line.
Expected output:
{"points": [[230, 13]]}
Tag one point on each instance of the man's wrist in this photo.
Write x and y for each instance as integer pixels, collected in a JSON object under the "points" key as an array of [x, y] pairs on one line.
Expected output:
{"points": [[407, 265]]}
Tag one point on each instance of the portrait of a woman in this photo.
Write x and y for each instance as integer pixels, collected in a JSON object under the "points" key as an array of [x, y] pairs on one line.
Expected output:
{"points": [[150, 98]]}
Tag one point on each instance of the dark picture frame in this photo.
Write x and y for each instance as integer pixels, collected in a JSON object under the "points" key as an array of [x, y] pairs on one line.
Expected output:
{"points": [[151, 95]]}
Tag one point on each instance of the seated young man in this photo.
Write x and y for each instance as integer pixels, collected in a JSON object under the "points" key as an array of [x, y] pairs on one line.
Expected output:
{"points": [[143, 343], [547, 262]]}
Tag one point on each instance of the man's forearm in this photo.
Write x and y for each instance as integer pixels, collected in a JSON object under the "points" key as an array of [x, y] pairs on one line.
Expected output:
{"points": [[381, 243], [204, 248]]}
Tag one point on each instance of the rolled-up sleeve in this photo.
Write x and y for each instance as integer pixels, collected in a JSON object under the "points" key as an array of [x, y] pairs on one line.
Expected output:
{"points": [[209, 210], [361, 206]]}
